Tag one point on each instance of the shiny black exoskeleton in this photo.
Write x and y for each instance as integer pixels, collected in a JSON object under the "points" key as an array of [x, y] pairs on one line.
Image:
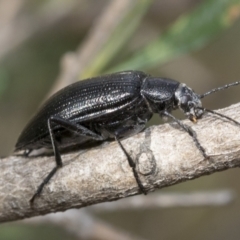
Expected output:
{"points": [[114, 106], [104, 107]]}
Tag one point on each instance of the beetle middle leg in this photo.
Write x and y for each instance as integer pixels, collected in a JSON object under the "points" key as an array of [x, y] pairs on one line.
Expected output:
{"points": [[76, 128], [131, 126], [132, 164]]}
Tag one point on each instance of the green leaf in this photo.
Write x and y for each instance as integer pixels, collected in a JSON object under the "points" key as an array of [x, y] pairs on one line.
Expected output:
{"points": [[189, 33]]}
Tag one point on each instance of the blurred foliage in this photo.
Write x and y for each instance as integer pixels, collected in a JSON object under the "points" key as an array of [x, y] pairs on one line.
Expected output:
{"points": [[4, 80], [19, 231], [118, 39], [190, 32]]}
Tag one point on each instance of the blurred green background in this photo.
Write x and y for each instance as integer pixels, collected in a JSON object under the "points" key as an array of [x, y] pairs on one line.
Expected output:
{"points": [[45, 45]]}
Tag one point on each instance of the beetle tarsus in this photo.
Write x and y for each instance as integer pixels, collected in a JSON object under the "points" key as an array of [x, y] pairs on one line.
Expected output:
{"points": [[45, 181]]}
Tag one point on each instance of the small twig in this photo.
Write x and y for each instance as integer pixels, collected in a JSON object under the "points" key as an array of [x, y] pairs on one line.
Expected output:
{"points": [[73, 63], [17, 28], [169, 200], [165, 155], [82, 225]]}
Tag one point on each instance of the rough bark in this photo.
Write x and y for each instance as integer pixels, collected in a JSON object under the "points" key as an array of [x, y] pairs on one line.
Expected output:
{"points": [[165, 155]]}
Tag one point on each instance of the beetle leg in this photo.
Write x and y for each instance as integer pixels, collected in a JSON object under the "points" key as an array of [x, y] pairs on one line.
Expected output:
{"points": [[27, 152], [122, 129], [71, 127], [76, 128], [54, 170], [190, 131], [132, 164]]}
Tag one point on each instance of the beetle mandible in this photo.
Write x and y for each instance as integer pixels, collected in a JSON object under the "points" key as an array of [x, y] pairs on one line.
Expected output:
{"points": [[113, 106]]}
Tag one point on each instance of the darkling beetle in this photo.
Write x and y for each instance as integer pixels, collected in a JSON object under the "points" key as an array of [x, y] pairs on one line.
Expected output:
{"points": [[113, 106]]}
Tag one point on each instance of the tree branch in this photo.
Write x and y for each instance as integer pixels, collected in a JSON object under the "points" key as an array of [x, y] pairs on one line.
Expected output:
{"points": [[165, 155]]}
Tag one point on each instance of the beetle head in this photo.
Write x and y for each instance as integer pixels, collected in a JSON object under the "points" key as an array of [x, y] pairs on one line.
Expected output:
{"points": [[189, 102]]}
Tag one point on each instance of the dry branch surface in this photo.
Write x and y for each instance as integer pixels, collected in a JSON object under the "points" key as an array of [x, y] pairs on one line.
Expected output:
{"points": [[165, 155]]}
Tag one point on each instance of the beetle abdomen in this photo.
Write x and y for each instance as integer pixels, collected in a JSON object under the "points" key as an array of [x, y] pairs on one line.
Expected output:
{"points": [[93, 99]]}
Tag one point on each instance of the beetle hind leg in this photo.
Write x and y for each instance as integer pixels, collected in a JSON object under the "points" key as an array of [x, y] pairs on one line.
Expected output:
{"points": [[45, 181], [54, 170], [72, 127]]}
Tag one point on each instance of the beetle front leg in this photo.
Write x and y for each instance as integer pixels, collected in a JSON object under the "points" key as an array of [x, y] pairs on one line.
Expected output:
{"points": [[190, 131]]}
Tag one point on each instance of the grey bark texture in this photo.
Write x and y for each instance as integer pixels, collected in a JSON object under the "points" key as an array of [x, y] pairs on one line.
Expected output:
{"points": [[164, 154]]}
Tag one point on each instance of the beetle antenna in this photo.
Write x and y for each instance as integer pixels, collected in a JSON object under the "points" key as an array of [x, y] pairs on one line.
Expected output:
{"points": [[220, 115], [219, 89]]}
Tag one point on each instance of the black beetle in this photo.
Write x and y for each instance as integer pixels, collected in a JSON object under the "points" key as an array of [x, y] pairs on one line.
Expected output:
{"points": [[113, 106]]}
